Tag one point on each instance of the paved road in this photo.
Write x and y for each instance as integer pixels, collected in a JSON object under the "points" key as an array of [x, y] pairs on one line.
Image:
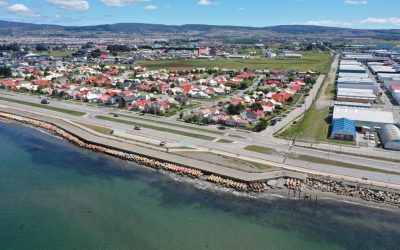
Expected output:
{"points": [[235, 148]]}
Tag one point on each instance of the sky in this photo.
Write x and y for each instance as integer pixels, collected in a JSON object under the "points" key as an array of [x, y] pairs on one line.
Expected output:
{"points": [[382, 14]]}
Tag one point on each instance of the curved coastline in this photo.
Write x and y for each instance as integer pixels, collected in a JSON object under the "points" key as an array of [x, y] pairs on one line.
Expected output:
{"points": [[317, 187]]}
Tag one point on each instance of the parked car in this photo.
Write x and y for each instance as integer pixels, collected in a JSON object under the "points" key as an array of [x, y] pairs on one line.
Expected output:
{"points": [[372, 136], [116, 115], [163, 143], [45, 101], [137, 128], [221, 127]]}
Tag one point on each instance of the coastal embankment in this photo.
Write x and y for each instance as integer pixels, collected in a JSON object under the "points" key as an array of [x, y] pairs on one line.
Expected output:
{"points": [[277, 179]]}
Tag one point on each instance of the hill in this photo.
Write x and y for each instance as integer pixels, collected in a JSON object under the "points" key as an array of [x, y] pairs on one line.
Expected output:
{"points": [[190, 30]]}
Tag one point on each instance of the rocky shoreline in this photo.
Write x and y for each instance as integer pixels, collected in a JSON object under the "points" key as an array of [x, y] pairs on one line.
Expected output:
{"points": [[299, 187], [341, 188]]}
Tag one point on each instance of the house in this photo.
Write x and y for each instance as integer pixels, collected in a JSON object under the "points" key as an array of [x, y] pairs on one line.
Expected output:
{"points": [[236, 121], [252, 116], [126, 101]]}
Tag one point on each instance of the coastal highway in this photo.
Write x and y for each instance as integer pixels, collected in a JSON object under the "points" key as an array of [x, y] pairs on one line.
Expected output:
{"points": [[235, 149]]}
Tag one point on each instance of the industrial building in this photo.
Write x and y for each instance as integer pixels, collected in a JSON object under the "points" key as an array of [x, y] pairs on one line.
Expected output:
{"points": [[352, 69], [355, 95], [390, 137], [343, 129], [364, 117], [375, 69]]}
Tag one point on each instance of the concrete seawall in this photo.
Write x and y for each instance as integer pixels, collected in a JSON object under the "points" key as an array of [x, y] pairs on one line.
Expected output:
{"points": [[122, 145]]}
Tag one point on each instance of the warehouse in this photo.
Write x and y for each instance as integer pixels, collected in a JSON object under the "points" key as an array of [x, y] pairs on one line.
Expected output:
{"points": [[375, 69], [352, 69], [364, 117], [371, 87], [350, 62], [353, 75], [390, 137], [343, 129], [355, 95], [382, 77], [353, 80]]}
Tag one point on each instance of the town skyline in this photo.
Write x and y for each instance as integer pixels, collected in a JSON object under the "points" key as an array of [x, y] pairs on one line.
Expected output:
{"points": [[360, 14]]}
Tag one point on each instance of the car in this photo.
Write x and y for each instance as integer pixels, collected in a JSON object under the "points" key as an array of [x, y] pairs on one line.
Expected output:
{"points": [[116, 115], [45, 101], [137, 128], [163, 143], [221, 127], [273, 122], [372, 136]]}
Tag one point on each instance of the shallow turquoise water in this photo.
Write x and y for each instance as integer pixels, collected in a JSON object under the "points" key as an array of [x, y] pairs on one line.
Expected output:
{"points": [[54, 195]]}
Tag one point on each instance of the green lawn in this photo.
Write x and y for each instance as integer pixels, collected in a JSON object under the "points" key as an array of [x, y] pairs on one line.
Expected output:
{"points": [[102, 130], [44, 106], [168, 130], [312, 61], [341, 164], [260, 149], [269, 151], [313, 126], [172, 124], [224, 141], [58, 53]]}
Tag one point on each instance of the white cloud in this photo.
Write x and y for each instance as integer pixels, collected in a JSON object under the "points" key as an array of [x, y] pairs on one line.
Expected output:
{"points": [[3, 4], [151, 7], [122, 3], [206, 3], [75, 5], [329, 23], [20, 9], [241, 8], [389, 20], [355, 2]]}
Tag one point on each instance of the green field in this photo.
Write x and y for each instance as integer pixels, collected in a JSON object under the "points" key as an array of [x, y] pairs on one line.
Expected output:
{"points": [[102, 130], [44, 106], [269, 151], [313, 126], [171, 124], [58, 53], [168, 130], [312, 61]]}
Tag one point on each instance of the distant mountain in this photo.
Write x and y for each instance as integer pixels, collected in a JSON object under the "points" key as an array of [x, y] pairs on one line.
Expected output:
{"points": [[189, 30]]}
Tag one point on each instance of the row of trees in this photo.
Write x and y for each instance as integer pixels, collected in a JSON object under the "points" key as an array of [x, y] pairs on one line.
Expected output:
{"points": [[5, 71]]}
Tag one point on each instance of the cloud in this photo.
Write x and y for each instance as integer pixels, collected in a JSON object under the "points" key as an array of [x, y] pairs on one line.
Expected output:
{"points": [[206, 3], [151, 7], [241, 8], [389, 20], [122, 3], [355, 2], [20, 9], [329, 23], [3, 4], [75, 5]]}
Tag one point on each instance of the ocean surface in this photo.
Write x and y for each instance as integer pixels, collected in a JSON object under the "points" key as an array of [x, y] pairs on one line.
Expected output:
{"points": [[54, 195]]}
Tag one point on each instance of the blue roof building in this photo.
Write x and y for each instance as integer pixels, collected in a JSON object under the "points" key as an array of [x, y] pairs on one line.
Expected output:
{"points": [[343, 129]]}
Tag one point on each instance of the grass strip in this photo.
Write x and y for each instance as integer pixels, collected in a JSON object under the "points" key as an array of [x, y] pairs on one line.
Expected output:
{"points": [[44, 106], [102, 130], [224, 141], [312, 159], [168, 130], [171, 124]]}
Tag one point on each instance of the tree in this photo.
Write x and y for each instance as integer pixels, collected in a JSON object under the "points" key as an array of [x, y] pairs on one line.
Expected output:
{"points": [[95, 53], [41, 47], [181, 115], [5, 71]]}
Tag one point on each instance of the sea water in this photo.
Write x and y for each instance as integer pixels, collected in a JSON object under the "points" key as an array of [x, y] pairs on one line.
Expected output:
{"points": [[54, 195]]}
